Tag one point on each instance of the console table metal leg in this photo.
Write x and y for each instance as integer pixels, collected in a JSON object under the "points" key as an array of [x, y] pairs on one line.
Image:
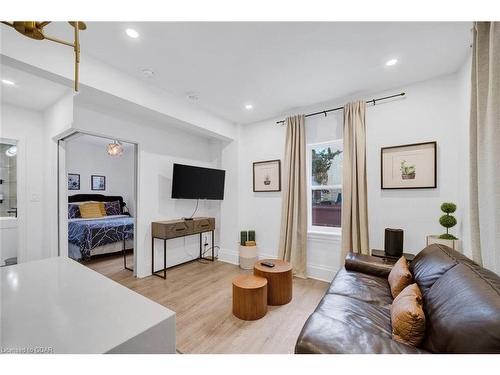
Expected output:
{"points": [[153, 255], [213, 258], [201, 240], [165, 259]]}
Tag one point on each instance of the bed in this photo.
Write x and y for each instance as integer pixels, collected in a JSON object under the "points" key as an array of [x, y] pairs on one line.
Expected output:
{"points": [[95, 236]]}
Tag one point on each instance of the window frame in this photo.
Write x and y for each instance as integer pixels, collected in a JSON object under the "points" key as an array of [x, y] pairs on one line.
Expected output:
{"points": [[312, 229]]}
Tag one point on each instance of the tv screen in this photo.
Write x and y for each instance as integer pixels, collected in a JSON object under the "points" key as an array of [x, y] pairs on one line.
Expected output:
{"points": [[189, 182]]}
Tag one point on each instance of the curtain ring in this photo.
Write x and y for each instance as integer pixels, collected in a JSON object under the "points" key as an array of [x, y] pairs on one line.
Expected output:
{"points": [[324, 113]]}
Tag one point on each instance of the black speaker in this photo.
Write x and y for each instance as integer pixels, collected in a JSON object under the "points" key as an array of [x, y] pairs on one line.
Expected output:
{"points": [[393, 244]]}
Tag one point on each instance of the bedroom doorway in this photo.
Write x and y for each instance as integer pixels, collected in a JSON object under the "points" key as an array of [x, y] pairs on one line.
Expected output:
{"points": [[98, 185]]}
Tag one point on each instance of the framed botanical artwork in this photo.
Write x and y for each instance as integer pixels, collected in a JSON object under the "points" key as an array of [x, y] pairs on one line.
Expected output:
{"points": [[73, 181], [267, 176], [98, 182], [412, 166]]}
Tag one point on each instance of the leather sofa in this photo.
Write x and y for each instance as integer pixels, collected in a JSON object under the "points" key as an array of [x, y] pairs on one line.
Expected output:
{"points": [[461, 304]]}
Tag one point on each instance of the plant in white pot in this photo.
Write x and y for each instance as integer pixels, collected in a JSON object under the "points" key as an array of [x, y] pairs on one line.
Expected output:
{"points": [[448, 221]]}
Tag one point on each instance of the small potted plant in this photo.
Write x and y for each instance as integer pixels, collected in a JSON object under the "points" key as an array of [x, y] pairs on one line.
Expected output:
{"points": [[248, 254], [448, 221], [407, 171]]}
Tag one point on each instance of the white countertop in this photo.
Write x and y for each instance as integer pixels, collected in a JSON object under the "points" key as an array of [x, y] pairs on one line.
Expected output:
{"points": [[60, 304]]}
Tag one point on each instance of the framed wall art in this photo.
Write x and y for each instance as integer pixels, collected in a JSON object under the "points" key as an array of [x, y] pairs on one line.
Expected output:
{"points": [[73, 181], [412, 166], [267, 176], [98, 182]]}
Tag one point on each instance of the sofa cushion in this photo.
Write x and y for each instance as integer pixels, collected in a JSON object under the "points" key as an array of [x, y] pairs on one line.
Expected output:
{"points": [[463, 311], [342, 324], [361, 286], [432, 263], [399, 277], [407, 316]]}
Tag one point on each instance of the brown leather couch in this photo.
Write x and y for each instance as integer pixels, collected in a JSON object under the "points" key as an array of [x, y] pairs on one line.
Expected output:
{"points": [[461, 304]]}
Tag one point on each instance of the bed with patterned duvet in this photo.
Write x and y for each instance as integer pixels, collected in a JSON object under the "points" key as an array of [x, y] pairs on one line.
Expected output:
{"points": [[86, 235]]}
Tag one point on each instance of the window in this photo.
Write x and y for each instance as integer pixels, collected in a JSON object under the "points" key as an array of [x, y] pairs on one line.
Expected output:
{"points": [[324, 164]]}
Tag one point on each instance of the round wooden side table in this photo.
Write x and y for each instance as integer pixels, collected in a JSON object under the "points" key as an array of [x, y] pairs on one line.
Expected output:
{"points": [[279, 280], [249, 297]]}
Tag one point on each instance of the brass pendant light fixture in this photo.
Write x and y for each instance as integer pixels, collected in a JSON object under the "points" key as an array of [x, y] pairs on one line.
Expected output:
{"points": [[34, 30]]}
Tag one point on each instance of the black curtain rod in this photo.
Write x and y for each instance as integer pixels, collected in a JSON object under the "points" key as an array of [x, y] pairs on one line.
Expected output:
{"points": [[339, 108]]}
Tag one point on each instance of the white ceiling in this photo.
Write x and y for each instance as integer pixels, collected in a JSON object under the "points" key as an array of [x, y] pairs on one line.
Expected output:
{"points": [[275, 66], [30, 91]]}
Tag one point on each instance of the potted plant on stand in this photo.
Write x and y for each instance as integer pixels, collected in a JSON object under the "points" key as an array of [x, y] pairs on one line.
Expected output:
{"points": [[448, 221]]}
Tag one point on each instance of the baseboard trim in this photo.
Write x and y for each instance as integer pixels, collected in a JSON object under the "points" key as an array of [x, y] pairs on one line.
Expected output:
{"points": [[229, 256], [314, 271]]}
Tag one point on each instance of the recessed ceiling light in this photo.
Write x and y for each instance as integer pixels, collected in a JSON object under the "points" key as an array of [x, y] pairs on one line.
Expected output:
{"points": [[248, 106], [191, 95], [132, 33], [147, 73], [8, 82], [391, 62]]}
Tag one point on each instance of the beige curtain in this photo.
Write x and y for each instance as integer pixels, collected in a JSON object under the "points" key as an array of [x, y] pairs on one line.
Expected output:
{"points": [[485, 145], [293, 234], [354, 189]]}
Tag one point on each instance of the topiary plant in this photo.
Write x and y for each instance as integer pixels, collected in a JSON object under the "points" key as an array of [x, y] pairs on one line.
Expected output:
{"points": [[447, 220]]}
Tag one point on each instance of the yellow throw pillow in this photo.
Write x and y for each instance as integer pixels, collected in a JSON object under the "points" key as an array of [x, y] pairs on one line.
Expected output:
{"points": [[91, 210], [399, 277], [407, 316], [102, 207]]}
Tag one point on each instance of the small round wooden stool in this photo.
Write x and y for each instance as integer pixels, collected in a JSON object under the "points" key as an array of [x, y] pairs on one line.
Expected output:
{"points": [[249, 297], [279, 280]]}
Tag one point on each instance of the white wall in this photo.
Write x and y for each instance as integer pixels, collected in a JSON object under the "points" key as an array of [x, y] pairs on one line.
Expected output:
{"points": [[158, 149], [86, 158], [262, 211], [27, 127], [58, 119], [429, 112]]}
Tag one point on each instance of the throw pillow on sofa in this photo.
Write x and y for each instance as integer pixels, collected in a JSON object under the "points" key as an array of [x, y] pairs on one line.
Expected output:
{"points": [[399, 277], [407, 316]]}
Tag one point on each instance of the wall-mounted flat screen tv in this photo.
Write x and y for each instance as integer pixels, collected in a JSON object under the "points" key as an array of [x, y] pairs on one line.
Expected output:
{"points": [[189, 182]]}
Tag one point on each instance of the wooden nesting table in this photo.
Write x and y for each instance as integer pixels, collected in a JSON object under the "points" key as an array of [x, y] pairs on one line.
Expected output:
{"points": [[279, 280], [249, 297]]}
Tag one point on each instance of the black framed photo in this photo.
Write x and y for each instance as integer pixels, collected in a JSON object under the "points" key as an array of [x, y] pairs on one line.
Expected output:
{"points": [[98, 182], [267, 176], [412, 166], [73, 181]]}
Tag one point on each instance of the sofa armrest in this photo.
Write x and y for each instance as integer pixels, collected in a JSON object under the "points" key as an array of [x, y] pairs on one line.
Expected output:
{"points": [[368, 264]]}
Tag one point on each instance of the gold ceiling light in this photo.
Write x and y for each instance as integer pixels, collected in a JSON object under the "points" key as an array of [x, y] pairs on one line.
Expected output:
{"points": [[34, 30], [115, 148]]}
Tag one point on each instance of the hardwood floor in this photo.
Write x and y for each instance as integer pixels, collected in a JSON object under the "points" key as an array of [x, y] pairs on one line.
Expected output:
{"points": [[200, 294]]}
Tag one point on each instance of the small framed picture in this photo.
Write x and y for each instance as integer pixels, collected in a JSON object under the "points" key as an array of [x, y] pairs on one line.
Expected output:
{"points": [[73, 181], [412, 166], [267, 176], [98, 182]]}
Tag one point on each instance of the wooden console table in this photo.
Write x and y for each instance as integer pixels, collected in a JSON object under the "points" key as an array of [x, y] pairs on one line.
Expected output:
{"points": [[167, 230]]}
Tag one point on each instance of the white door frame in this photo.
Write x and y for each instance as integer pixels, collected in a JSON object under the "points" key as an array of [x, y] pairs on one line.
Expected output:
{"points": [[62, 192]]}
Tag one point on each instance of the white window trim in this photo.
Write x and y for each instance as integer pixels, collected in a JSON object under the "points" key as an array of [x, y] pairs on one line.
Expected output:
{"points": [[315, 231]]}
